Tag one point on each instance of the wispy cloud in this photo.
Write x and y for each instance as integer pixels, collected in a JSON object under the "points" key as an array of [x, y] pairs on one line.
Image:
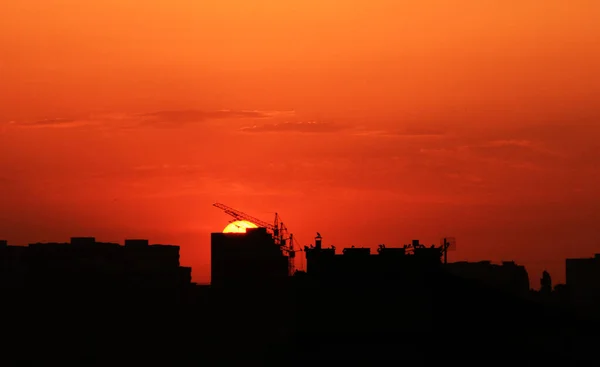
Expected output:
{"points": [[53, 121], [494, 155], [510, 143], [172, 180], [166, 118], [180, 117], [56, 122], [514, 148], [492, 147], [302, 127], [410, 132]]}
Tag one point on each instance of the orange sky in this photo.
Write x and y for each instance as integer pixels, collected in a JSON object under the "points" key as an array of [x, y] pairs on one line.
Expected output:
{"points": [[370, 121]]}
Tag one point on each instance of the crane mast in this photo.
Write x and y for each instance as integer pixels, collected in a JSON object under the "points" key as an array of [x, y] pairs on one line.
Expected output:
{"points": [[279, 231]]}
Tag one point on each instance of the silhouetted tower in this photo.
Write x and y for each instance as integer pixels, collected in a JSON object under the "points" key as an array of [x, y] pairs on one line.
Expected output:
{"points": [[318, 241], [546, 283]]}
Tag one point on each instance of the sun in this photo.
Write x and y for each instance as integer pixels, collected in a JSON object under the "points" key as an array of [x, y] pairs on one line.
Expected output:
{"points": [[239, 226]]}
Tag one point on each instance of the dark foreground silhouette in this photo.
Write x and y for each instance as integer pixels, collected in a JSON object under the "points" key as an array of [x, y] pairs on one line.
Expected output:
{"points": [[96, 315], [302, 325]]}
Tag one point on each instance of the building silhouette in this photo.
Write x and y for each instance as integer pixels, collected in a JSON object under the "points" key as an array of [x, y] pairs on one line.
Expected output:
{"points": [[247, 259], [356, 264], [86, 263], [507, 277], [583, 285], [546, 284]]}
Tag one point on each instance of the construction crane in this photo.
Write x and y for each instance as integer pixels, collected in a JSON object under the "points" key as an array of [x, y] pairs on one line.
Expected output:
{"points": [[447, 244], [278, 230]]}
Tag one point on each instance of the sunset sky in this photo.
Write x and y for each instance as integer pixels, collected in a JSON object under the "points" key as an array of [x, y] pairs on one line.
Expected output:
{"points": [[370, 121]]}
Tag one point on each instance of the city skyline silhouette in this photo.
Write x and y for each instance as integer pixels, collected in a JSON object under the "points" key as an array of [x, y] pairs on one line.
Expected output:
{"points": [[556, 268], [262, 305]]}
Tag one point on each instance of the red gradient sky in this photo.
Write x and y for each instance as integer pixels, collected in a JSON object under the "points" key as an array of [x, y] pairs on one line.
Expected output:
{"points": [[370, 121]]}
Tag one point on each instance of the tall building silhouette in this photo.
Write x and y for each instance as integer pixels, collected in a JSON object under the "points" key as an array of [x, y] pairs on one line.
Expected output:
{"points": [[243, 259], [583, 285]]}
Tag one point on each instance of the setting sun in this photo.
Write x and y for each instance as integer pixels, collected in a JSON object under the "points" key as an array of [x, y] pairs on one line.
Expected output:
{"points": [[239, 226]]}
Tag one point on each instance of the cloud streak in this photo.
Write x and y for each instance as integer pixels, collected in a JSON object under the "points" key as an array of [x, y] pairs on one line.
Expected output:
{"points": [[53, 121], [182, 117], [299, 127], [164, 119], [403, 133], [57, 122]]}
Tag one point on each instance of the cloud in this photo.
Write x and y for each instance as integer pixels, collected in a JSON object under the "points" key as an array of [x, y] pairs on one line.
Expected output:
{"points": [[493, 147], [167, 118], [511, 149], [181, 117], [56, 122], [511, 143], [53, 121], [410, 132], [171, 180], [301, 127], [498, 158]]}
